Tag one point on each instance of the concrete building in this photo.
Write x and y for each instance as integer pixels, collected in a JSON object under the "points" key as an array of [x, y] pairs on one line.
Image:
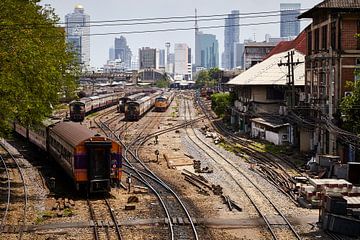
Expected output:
{"points": [[231, 36], [333, 55], [239, 49], [77, 29], [123, 52], [148, 58], [254, 52], [289, 24], [183, 61]]}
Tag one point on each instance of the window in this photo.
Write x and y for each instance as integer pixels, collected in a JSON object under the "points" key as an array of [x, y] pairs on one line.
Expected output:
{"points": [[324, 37], [317, 40], [309, 42], [333, 35], [274, 93], [358, 39]]}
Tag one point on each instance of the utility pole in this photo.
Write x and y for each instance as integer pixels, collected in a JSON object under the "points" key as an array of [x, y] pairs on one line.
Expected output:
{"points": [[291, 76]]}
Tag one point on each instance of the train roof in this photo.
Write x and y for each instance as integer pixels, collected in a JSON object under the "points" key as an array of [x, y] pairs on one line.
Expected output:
{"points": [[72, 133]]}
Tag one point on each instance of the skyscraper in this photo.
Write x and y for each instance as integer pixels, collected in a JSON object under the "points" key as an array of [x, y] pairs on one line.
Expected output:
{"points": [[162, 58], [231, 36], [207, 51], [123, 52], [289, 24], [77, 28], [183, 60]]}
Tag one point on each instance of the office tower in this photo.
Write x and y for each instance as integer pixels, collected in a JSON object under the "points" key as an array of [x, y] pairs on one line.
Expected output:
{"points": [[77, 29], [207, 51], [123, 52], [111, 54], [162, 58], [231, 36], [289, 24], [183, 60]]}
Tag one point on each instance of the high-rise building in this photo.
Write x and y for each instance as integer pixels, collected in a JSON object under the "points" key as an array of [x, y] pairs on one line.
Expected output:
{"points": [[231, 36], [289, 24], [183, 60], [207, 50], [148, 58], [111, 54], [162, 58], [123, 52], [239, 55], [77, 28]]}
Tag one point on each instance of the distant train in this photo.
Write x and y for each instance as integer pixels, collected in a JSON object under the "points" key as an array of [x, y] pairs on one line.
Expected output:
{"points": [[80, 108], [92, 161], [134, 110], [163, 102], [124, 100]]}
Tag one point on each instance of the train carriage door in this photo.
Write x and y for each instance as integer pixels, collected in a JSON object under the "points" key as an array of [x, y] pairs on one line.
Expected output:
{"points": [[99, 156]]}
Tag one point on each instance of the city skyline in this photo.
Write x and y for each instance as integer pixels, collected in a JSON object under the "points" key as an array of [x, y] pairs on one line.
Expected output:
{"points": [[100, 44]]}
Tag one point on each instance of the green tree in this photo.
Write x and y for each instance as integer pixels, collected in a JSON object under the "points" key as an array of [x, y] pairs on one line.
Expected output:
{"points": [[350, 108], [35, 67], [163, 83], [220, 102], [202, 78]]}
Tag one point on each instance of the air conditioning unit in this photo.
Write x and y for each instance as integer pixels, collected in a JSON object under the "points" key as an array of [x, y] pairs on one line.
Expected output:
{"points": [[302, 97], [348, 94]]}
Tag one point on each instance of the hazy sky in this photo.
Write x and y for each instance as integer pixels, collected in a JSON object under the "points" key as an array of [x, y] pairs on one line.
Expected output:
{"points": [[129, 9]]}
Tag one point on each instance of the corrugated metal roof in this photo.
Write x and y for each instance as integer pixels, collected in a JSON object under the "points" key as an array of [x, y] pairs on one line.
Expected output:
{"points": [[332, 4], [339, 4], [72, 133], [271, 122], [269, 73], [352, 200]]}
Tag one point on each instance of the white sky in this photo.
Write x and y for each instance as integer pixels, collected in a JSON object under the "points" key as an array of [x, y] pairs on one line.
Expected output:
{"points": [[127, 9]]}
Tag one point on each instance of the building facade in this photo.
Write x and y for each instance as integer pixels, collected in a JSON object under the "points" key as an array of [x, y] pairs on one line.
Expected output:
{"points": [[231, 36], [289, 24], [122, 52], [182, 65], [77, 28], [148, 58], [255, 52], [333, 55]]}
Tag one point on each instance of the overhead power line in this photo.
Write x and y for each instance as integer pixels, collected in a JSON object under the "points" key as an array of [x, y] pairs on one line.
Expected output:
{"points": [[182, 29], [173, 18]]}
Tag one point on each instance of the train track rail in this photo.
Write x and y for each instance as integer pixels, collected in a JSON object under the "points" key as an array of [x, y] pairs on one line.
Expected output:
{"points": [[98, 227], [170, 201], [10, 163], [271, 165], [243, 181]]}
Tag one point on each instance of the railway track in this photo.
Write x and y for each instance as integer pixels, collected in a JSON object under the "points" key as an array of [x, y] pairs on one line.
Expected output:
{"points": [[265, 207], [270, 165], [99, 212], [171, 203], [14, 173]]}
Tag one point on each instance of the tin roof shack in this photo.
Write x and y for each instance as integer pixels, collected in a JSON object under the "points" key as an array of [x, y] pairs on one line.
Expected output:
{"points": [[272, 130]]}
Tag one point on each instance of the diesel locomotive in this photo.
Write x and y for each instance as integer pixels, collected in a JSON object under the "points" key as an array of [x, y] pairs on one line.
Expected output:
{"points": [[163, 102]]}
